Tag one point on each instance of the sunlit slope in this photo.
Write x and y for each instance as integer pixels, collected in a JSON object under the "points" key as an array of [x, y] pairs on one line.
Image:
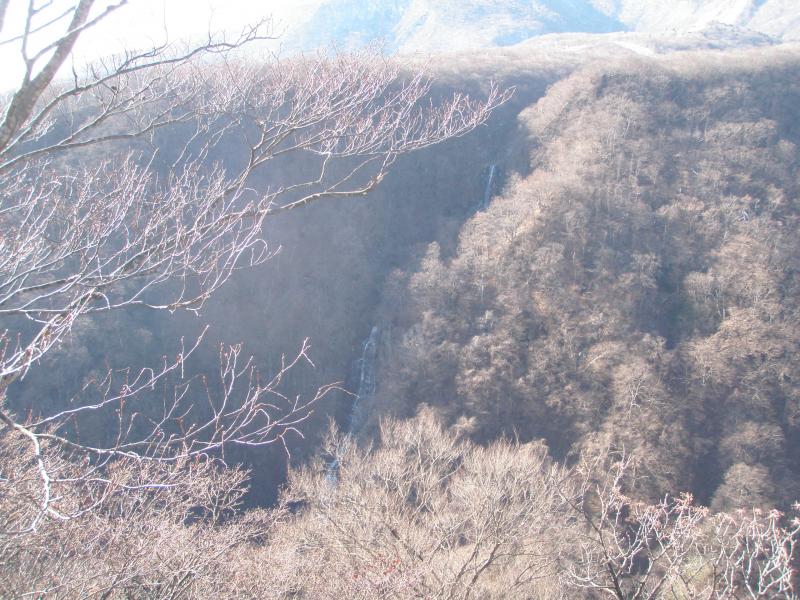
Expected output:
{"points": [[637, 290]]}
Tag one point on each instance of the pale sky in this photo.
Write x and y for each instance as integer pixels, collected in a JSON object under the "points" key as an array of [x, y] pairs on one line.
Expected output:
{"points": [[144, 21]]}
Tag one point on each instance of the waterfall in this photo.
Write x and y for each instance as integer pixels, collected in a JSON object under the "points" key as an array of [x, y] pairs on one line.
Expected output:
{"points": [[365, 367], [366, 380], [492, 176], [487, 194]]}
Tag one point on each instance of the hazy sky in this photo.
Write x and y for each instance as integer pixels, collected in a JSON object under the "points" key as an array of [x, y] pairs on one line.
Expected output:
{"points": [[144, 21]]}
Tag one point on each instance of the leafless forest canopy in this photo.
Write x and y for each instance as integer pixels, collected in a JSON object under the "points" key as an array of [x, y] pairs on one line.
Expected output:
{"points": [[588, 388]]}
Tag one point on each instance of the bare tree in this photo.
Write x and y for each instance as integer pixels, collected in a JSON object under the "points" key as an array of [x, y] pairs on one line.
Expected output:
{"points": [[426, 514], [673, 549], [154, 227]]}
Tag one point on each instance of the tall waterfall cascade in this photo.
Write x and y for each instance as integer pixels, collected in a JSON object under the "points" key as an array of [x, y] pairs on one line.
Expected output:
{"points": [[487, 193], [366, 381], [365, 368], [492, 176]]}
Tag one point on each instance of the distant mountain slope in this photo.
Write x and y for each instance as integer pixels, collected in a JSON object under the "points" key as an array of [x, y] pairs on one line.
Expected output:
{"points": [[779, 18], [351, 22], [445, 25], [435, 25], [455, 25], [619, 44]]}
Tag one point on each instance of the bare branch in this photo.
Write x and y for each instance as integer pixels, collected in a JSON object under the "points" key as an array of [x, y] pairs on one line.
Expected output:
{"points": [[162, 222]]}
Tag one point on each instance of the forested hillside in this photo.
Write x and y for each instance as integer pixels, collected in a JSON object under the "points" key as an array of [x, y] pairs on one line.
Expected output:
{"points": [[638, 290], [634, 285]]}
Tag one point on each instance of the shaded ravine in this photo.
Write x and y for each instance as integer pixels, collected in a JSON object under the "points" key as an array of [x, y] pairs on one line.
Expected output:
{"points": [[364, 369]]}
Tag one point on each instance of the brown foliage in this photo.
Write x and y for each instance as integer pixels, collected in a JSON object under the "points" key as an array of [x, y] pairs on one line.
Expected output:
{"points": [[638, 288]]}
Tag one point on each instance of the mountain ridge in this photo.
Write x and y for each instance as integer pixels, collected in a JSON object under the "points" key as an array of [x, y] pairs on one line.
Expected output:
{"points": [[409, 26]]}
